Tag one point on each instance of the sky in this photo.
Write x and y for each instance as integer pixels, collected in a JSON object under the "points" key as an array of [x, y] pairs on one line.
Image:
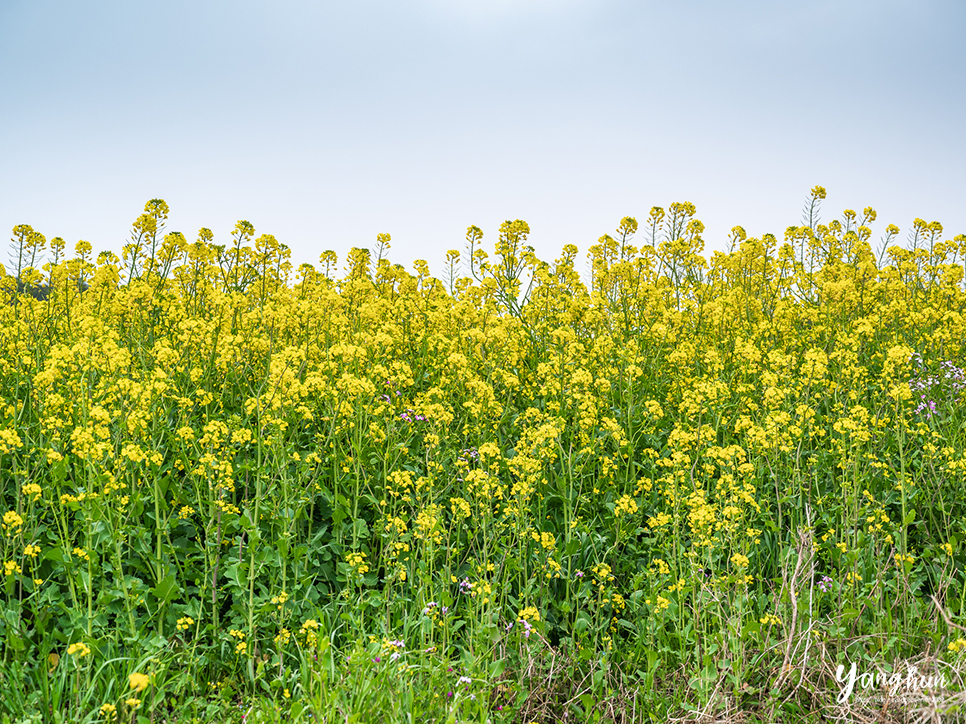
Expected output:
{"points": [[327, 123]]}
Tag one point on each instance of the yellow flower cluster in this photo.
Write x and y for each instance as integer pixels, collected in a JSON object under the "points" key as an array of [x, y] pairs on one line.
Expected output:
{"points": [[652, 436], [185, 622], [357, 563], [79, 650], [309, 631], [12, 522], [529, 613], [626, 505], [138, 682]]}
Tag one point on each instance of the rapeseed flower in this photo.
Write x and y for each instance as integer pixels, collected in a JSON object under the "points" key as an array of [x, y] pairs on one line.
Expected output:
{"points": [[138, 682], [79, 649]]}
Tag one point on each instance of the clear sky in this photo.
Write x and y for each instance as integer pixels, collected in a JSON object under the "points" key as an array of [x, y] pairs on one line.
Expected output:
{"points": [[325, 123]]}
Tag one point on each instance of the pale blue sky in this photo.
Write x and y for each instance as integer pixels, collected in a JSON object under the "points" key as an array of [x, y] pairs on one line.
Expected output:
{"points": [[326, 123]]}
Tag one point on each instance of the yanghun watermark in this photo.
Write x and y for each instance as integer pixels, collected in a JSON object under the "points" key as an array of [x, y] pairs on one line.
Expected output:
{"points": [[906, 683]]}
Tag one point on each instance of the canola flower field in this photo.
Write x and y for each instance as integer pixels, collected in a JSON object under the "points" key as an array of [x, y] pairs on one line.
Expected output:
{"points": [[647, 485]]}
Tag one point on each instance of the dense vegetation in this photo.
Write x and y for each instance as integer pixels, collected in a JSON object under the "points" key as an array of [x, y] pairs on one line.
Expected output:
{"points": [[668, 486]]}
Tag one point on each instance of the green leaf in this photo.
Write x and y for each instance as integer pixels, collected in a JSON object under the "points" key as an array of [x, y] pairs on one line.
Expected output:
{"points": [[167, 590], [360, 528]]}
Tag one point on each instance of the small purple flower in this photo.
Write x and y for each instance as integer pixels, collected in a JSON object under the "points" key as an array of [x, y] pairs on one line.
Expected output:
{"points": [[465, 680], [825, 584], [470, 453], [377, 660], [579, 574], [449, 694], [951, 381]]}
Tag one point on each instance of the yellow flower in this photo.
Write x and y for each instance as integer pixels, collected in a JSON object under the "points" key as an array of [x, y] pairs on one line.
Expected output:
{"points": [[9, 441], [12, 522], [530, 613], [80, 650], [626, 505], [739, 560], [138, 682], [108, 711], [185, 622], [603, 572], [309, 631], [661, 566], [900, 559], [357, 562]]}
